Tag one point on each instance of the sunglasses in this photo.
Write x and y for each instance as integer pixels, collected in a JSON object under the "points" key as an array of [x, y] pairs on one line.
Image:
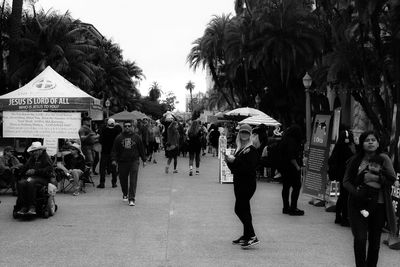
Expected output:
{"points": [[127, 125]]}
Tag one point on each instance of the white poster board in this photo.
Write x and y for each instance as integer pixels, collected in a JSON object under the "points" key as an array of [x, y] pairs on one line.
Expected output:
{"points": [[225, 175], [51, 145], [20, 124]]}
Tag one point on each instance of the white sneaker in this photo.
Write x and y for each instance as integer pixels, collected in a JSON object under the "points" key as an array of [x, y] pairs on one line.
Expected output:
{"points": [[364, 213], [131, 203], [124, 198]]}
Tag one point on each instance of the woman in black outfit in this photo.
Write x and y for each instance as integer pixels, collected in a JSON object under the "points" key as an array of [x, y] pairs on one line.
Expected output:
{"points": [[343, 150], [243, 166], [291, 150], [370, 227]]}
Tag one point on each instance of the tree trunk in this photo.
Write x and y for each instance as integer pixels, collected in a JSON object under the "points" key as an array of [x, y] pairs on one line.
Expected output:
{"points": [[15, 32]]}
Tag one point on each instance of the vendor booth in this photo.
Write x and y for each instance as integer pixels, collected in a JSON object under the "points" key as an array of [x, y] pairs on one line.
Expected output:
{"points": [[47, 107]]}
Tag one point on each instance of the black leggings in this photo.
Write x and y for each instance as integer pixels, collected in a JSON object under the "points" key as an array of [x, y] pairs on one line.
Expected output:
{"points": [[243, 193], [291, 178], [366, 228], [341, 204], [175, 157], [194, 155]]}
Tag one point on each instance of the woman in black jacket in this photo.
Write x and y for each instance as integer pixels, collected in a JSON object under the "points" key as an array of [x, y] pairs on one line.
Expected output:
{"points": [[343, 150], [370, 227], [243, 166]]}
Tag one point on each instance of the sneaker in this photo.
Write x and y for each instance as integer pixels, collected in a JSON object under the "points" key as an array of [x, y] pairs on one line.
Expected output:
{"points": [[251, 242], [175, 171], [100, 186], [166, 169], [114, 185], [31, 211], [197, 172], [154, 161], [190, 173], [22, 211], [131, 203], [364, 213], [296, 212], [124, 198], [76, 193], [286, 211], [239, 241]]}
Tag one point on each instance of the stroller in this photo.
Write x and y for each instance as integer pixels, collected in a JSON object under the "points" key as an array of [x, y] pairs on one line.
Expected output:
{"points": [[45, 204]]}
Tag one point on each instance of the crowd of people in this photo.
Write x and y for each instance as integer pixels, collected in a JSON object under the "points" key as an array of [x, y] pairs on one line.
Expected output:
{"points": [[364, 171]]}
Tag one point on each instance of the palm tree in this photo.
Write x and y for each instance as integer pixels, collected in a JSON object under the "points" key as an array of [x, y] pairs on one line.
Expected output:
{"points": [[190, 86], [154, 92], [54, 40]]}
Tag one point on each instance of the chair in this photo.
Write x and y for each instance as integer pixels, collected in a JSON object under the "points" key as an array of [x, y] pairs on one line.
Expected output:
{"points": [[86, 178]]}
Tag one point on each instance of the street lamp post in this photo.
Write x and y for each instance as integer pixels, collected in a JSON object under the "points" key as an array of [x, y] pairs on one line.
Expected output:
{"points": [[258, 101], [307, 81], [108, 103]]}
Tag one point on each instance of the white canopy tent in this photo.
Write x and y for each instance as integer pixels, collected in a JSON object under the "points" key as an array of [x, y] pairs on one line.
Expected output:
{"points": [[260, 119], [49, 91]]}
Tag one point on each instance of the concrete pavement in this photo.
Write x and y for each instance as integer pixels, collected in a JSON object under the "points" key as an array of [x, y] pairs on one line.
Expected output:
{"points": [[178, 220]]}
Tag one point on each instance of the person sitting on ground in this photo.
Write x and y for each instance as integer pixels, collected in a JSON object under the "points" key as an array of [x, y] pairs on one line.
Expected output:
{"points": [[9, 164], [369, 189], [74, 165], [38, 170]]}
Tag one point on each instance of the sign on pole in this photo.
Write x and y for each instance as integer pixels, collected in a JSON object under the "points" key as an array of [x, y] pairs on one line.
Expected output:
{"points": [[316, 169]]}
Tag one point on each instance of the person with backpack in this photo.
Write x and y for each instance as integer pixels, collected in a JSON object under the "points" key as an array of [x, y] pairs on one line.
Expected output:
{"points": [[194, 136], [343, 150], [290, 151]]}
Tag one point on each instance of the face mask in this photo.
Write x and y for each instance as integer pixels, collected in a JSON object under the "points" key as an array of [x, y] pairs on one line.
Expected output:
{"points": [[347, 140]]}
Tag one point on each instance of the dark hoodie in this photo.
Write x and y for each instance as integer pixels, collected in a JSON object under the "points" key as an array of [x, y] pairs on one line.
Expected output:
{"points": [[127, 147]]}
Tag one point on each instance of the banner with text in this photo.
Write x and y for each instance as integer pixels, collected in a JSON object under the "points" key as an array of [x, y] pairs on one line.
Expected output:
{"points": [[316, 169], [21, 124]]}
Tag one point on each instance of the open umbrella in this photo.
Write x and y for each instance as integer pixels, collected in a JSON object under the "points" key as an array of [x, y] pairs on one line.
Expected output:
{"points": [[245, 112], [260, 119], [137, 115], [123, 116]]}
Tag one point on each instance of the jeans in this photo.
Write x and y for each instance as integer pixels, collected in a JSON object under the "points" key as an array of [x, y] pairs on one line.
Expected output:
{"points": [[27, 190], [105, 164], [291, 178], [243, 193], [366, 228], [128, 169], [193, 155], [88, 152]]}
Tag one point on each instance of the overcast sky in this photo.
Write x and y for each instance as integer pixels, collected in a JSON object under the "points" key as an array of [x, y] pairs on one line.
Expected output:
{"points": [[156, 34]]}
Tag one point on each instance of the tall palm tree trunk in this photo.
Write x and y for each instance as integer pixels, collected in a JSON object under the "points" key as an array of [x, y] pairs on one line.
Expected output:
{"points": [[15, 32]]}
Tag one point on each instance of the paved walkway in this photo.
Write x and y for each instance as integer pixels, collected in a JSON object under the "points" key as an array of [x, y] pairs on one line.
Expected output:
{"points": [[178, 221]]}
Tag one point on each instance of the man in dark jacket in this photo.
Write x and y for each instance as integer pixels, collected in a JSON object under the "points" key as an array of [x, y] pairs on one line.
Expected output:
{"points": [[106, 140], [127, 149], [37, 170]]}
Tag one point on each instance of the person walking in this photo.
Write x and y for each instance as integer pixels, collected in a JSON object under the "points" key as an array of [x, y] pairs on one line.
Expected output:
{"points": [[194, 134], [369, 228], [343, 150], [9, 167], [290, 151], [172, 145], [213, 137], [88, 137], [243, 167], [126, 151], [107, 137]]}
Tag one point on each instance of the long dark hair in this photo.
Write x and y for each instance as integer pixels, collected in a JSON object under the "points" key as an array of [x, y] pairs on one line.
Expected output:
{"points": [[363, 136]]}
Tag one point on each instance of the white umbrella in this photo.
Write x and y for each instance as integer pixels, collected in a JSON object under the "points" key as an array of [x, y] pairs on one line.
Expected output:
{"points": [[246, 112], [260, 119]]}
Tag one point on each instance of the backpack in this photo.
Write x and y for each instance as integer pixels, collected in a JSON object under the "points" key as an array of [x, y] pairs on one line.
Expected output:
{"points": [[273, 159]]}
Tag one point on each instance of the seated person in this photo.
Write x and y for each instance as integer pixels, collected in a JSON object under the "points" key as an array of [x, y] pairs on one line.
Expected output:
{"points": [[74, 165], [9, 164], [369, 190], [38, 170]]}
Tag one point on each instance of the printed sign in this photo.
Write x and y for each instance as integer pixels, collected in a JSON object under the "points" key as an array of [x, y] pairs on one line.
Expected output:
{"points": [[225, 175], [316, 173], [21, 124], [51, 145], [45, 103]]}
